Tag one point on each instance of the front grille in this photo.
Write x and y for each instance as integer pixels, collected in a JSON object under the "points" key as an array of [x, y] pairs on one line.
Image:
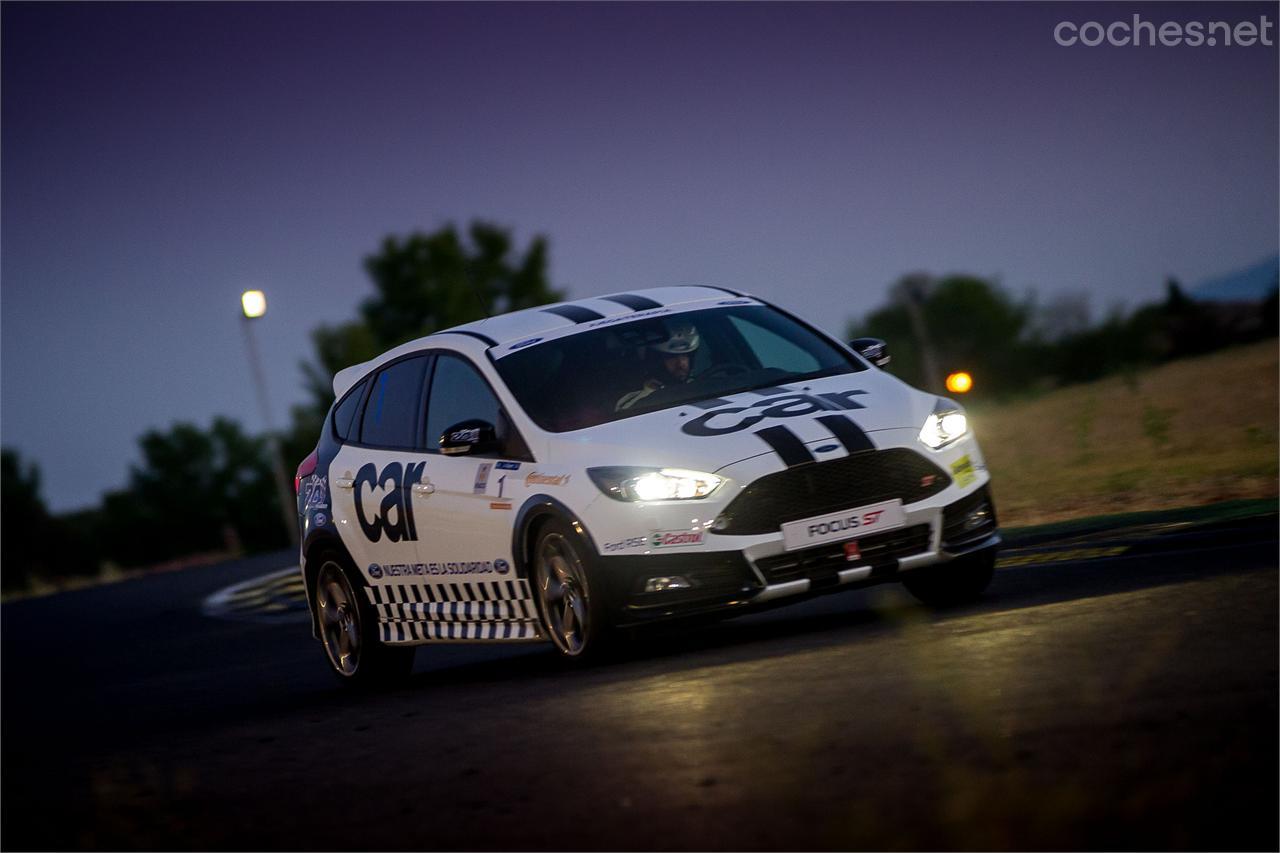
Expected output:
{"points": [[818, 487], [881, 551], [955, 534]]}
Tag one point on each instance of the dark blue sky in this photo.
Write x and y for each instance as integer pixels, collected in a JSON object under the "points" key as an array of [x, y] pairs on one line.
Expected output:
{"points": [[158, 159]]}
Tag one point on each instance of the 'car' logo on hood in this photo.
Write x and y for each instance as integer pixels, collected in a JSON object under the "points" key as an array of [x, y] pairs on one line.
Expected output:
{"points": [[723, 421]]}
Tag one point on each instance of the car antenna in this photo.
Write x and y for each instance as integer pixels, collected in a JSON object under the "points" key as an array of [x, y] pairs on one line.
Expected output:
{"points": [[484, 305]]}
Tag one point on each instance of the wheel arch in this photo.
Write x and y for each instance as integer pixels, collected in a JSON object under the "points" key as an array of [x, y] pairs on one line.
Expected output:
{"points": [[533, 513], [317, 543]]}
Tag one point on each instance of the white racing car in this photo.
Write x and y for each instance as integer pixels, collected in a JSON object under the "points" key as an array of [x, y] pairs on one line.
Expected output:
{"points": [[557, 473]]}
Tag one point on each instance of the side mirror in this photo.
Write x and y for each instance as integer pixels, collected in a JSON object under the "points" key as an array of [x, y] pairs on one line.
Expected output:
{"points": [[465, 437], [873, 350]]}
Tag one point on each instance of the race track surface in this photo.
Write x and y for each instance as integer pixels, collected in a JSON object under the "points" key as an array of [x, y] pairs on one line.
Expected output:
{"points": [[1117, 691]]}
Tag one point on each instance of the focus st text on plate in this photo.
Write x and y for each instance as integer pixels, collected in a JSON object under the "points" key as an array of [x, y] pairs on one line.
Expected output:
{"points": [[839, 526], [556, 473]]}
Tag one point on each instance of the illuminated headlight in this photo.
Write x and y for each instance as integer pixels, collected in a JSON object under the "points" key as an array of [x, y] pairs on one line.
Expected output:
{"points": [[945, 425], [653, 484]]}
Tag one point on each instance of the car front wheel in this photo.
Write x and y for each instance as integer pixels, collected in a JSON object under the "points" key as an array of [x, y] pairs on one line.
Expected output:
{"points": [[569, 604], [349, 633]]}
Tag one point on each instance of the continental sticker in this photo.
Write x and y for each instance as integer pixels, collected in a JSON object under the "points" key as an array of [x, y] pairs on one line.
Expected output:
{"points": [[536, 478], [962, 471]]}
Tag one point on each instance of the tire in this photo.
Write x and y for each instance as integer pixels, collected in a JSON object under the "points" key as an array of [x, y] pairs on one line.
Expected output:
{"points": [[958, 581], [570, 598], [349, 632]]}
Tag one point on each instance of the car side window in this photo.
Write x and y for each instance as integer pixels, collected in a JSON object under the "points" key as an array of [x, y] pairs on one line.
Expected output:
{"points": [[345, 412], [459, 393], [395, 401]]}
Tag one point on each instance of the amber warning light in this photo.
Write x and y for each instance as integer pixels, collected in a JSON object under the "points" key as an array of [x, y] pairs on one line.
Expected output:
{"points": [[959, 383]]}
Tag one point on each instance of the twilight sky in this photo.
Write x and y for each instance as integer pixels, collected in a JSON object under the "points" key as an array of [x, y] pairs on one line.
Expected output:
{"points": [[157, 159]]}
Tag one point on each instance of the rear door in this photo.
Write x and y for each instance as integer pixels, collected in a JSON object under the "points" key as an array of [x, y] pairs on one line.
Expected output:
{"points": [[378, 485]]}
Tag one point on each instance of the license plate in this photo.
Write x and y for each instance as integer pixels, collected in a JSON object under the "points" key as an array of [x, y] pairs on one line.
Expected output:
{"points": [[845, 524]]}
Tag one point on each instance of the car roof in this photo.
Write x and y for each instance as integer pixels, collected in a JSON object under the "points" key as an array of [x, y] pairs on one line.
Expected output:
{"points": [[506, 332]]}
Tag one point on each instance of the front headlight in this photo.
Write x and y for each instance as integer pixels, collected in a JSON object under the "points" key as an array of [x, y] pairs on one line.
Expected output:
{"points": [[653, 484], [945, 425]]}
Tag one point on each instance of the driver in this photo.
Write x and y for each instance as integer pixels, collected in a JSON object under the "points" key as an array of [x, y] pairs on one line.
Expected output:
{"points": [[667, 362]]}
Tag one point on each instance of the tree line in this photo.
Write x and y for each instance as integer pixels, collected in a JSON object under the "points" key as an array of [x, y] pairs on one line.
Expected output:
{"points": [[208, 490], [1016, 346]]}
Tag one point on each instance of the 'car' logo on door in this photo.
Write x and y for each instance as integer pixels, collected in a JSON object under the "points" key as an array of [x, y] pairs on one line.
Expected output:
{"points": [[390, 512]]}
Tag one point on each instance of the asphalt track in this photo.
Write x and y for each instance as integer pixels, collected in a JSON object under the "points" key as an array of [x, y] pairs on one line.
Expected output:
{"points": [[1112, 691]]}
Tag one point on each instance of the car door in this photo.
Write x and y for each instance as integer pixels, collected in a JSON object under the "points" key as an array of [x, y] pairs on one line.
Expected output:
{"points": [[468, 528], [378, 483]]}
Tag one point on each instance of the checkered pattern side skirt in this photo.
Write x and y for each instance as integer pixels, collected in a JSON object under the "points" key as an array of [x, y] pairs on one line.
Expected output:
{"points": [[459, 611]]}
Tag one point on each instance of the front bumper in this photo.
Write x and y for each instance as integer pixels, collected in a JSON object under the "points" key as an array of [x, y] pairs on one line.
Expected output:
{"points": [[763, 574]]}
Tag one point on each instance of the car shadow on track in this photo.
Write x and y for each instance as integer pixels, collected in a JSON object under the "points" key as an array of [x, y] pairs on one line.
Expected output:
{"points": [[849, 617]]}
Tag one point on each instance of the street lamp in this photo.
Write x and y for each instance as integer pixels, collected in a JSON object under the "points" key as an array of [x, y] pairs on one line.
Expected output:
{"points": [[253, 304], [912, 291]]}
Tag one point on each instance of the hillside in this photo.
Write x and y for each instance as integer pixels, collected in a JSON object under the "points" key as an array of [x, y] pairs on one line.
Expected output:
{"points": [[1190, 432]]}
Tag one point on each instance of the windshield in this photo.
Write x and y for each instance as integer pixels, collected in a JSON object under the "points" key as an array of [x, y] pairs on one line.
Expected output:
{"points": [[628, 369]]}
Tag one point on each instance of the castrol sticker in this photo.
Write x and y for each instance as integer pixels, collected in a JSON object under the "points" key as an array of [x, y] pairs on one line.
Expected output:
{"points": [[845, 524]]}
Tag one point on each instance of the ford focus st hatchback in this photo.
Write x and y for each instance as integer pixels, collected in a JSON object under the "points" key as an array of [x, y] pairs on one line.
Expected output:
{"points": [[556, 473]]}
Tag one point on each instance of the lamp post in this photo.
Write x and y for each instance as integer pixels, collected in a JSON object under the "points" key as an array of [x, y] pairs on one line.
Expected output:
{"points": [[253, 304], [911, 291]]}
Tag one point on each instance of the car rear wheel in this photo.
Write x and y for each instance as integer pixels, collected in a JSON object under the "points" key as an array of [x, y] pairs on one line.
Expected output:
{"points": [[570, 605], [958, 581], [349, 633]]}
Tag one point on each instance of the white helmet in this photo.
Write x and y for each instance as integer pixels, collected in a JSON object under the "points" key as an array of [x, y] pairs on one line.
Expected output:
{"points": [[682, 341]]}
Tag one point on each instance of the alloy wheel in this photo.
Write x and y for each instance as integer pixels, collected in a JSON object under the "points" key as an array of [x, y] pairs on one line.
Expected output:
{"points": [[562, 589], [339, 619]]}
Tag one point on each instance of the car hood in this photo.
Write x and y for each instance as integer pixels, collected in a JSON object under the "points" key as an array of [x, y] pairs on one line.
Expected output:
{"points": [[713, 434]]}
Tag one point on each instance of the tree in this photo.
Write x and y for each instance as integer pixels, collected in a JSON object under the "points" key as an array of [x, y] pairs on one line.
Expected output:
{"points": [[971, 324], [25, 520], [423, 283], [35, 544], [196, 490], [1063, 315]]}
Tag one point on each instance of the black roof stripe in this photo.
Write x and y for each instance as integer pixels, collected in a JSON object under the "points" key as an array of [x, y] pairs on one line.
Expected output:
{"points": [[576, 313], [633, 301]]}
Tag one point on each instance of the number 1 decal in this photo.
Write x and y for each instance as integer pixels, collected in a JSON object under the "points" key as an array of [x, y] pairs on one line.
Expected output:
{"points": [[501, 482]]}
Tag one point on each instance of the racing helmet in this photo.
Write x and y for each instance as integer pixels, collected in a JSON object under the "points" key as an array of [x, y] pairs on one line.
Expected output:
{"points": [[682, 340]]}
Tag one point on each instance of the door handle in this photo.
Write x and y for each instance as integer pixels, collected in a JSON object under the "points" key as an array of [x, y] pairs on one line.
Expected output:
{"points": [[344, 482], [424, 489]]}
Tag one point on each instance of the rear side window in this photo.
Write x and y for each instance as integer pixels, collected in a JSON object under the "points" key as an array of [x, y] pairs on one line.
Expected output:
{"points": [[345, 412], [458, 393], [395, 402]]}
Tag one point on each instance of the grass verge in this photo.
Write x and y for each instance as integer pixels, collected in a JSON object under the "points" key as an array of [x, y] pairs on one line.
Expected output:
{"points": [[1189, 433]]}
